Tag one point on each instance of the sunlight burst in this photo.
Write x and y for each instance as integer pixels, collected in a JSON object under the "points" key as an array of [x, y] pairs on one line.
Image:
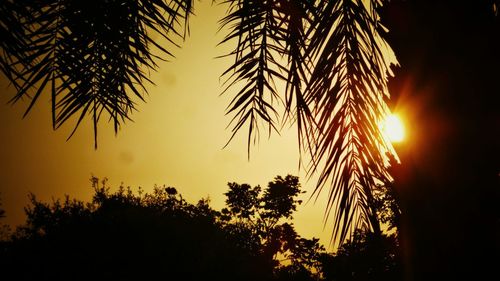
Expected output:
{"points": [[393, 128]]}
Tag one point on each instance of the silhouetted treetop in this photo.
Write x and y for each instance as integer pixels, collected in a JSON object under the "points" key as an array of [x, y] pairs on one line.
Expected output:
{"points": [[364, 257], [129, 235], [126, 236]]}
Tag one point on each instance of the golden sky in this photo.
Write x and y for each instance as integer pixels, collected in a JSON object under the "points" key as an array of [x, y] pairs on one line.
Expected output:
{"points": [[176, 139]]}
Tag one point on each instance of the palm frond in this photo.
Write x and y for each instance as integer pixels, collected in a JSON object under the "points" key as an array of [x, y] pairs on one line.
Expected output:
{"points": [[331, 58], [268, 50], [11, 32], [93, 56], [252, 25], [346, 94], [295, 18]]}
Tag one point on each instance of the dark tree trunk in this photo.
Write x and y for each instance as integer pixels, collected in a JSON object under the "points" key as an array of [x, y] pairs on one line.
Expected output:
{"points": [[448, 89]]}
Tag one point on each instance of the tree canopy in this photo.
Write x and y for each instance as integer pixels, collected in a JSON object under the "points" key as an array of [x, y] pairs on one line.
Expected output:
{"points": [[131, 235]]}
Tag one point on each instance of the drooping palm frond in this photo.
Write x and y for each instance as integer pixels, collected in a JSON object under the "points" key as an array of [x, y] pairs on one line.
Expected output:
{"points": [[92, 55], [11, 32], [268, 50], [296, 17], [332, 60], [346, 92]]}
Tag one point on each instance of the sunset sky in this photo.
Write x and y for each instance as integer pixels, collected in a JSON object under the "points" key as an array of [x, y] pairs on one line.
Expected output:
{"points": [[176, 139]]}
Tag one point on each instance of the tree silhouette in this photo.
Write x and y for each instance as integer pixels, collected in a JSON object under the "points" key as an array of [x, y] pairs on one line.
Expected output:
{"points": [[126, 236], [4, 228], [367, 256], [371, 255], [157, 235], [2, 211], [266, 214], [304, 260]]}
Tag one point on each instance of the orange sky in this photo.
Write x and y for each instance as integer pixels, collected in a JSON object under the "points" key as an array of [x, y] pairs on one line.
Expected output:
{"points": [[176, 139]]}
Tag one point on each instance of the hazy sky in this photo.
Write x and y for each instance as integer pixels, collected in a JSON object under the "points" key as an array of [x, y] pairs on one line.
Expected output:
{"points": [[176, 139]]}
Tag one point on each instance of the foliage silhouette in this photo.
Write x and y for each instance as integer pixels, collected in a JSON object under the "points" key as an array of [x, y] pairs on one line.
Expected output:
{"points": [[126, 236], [265, 213], [371, 255], [92, 56], [367, 256], [4, 228], [2, 211]]}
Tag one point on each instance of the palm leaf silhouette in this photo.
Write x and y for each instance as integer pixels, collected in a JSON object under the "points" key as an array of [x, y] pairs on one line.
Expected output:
{"points": [[347, 89], [268, 50], [93, 56], [11, 32], [336, 74]]}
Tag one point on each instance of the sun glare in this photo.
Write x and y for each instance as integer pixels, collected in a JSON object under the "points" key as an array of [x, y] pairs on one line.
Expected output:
{"points": [[393, 128]]}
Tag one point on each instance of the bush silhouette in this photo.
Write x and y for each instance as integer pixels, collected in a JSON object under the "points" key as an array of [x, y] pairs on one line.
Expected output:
{"points": [[128, 236], [159, 235], [122, 236]]}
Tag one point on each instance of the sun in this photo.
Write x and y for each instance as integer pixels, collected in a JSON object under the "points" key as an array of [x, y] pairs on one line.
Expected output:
{"points": [[393, 128]]}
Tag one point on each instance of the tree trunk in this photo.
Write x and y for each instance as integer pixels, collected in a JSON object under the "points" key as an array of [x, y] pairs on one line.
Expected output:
{"points": [[448, 91]]}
